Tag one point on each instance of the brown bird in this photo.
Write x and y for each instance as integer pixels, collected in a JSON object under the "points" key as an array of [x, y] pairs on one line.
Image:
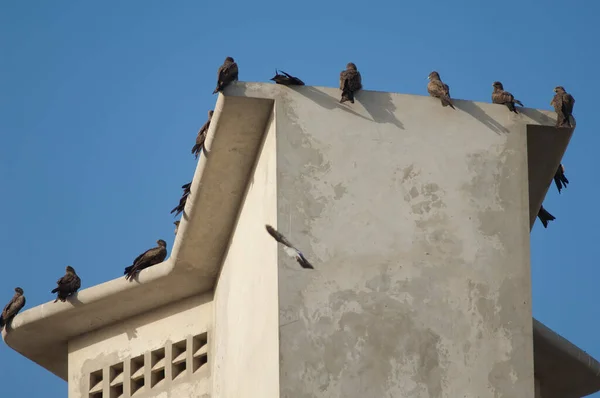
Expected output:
{"points": [[560, 179], [176, 226], [67, 285], [290, 250], [438, 89], [227, 73], [186, 192], [563, 104], [202, 135], [499, 96], [147, 259], [286, 79], [545, 217], [12, 308], [350, 82]]}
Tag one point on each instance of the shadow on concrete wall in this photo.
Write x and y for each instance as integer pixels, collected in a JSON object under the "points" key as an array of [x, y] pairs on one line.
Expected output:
{"points": [[472, 109], [380, 107], [325, 100]]}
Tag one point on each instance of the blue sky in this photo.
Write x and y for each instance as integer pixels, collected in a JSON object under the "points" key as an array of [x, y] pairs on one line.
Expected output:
{"points": [[100, 103]]}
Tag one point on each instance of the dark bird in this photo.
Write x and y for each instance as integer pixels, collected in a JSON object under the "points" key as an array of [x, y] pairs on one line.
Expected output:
{"points": [[545, 217], [67, 285], [560, 179], [12, 308], [227, 73], [186, 192], [563, 104], [350, 82], [438, 89], [147, 259], [289, 248], [286, 79], [499, 96], [176, 226], [202, 136]]}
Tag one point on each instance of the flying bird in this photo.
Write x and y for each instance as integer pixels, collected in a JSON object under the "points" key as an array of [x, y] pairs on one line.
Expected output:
{"points": [[350, 82], [499, 96], [147, 259], [227, 73], [560, 179], [202, 136], [545, 217], [176, 226], [286, 79], [186, 192], [438, 89], [67, 285], [563, 104], [289, 248], [12, 308]]}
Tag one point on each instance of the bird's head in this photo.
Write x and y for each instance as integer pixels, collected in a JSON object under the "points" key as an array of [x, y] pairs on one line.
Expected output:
{"points": [[559, 89], [229, 59], [498, 85], [210, 113], [162, 243], [19, 290], [176, 222], [70, 269], [434, 75], [351, 65]]}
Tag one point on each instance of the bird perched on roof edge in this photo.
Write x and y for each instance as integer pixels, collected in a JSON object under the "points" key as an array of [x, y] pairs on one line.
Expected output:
{"points": [[12, 308], [289, 248], [563, 104], [560, 179], [499, 96], [67, 285], [286, 79], [545, 216], [227, 73], [201, 137], [147, 259], [186, 192], [350, 82], [438, 89]]}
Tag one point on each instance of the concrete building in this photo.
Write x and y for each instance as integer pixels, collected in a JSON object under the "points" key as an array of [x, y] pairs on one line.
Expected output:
{"points": [[417, 220]]}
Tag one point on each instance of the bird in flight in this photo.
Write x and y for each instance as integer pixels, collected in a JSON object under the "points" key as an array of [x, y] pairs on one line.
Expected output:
{"points": [[290, 250]]}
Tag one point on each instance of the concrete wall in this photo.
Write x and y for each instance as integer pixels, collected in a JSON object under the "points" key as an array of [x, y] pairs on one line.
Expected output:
{"points": [[104, 363], [246, 338], [416, 219]]}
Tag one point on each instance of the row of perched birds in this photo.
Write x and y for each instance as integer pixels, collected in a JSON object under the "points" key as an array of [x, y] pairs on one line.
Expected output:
{"points": [[349, 84]]}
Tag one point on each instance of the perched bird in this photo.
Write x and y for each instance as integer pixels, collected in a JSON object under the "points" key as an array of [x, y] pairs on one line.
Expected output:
{"points": [[12, 308], [438, 89], [147, 259], [227, 73], [560, 179], [289, 249], [67, 285], [545, 217], [202, 135], [350, 82], [286, 79], [186, 192], [176, 226], [563, 104], [499, 96]]}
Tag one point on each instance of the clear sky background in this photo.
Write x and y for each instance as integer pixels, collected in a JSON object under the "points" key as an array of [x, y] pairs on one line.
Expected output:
{"points": [[100, 102]]}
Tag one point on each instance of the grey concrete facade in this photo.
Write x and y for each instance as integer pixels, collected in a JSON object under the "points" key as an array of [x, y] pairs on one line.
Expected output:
{"points": [[416, 218]]}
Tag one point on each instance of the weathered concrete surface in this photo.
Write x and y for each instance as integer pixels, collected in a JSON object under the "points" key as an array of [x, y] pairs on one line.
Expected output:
{"points": [[140, 336], [417, 220], [246, 360]]}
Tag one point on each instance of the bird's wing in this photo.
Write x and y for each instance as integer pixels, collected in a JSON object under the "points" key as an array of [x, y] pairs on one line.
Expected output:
{"points": [[65, 280], [436, 88], [278, 236], [15, 306], [503, 97], [141, 256], [221, 72], [357, 81], [557, 103], [9, 304], [568, 102], [342, 78], [447, 89]]}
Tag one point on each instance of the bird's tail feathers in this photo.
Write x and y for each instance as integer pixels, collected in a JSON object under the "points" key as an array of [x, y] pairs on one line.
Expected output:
{"points": [[54, 290], [518, 102]]}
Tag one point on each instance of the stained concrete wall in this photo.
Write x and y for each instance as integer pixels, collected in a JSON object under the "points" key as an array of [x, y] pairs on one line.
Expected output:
{"points": [[246, 340], [416, 219], [140, 336]]}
